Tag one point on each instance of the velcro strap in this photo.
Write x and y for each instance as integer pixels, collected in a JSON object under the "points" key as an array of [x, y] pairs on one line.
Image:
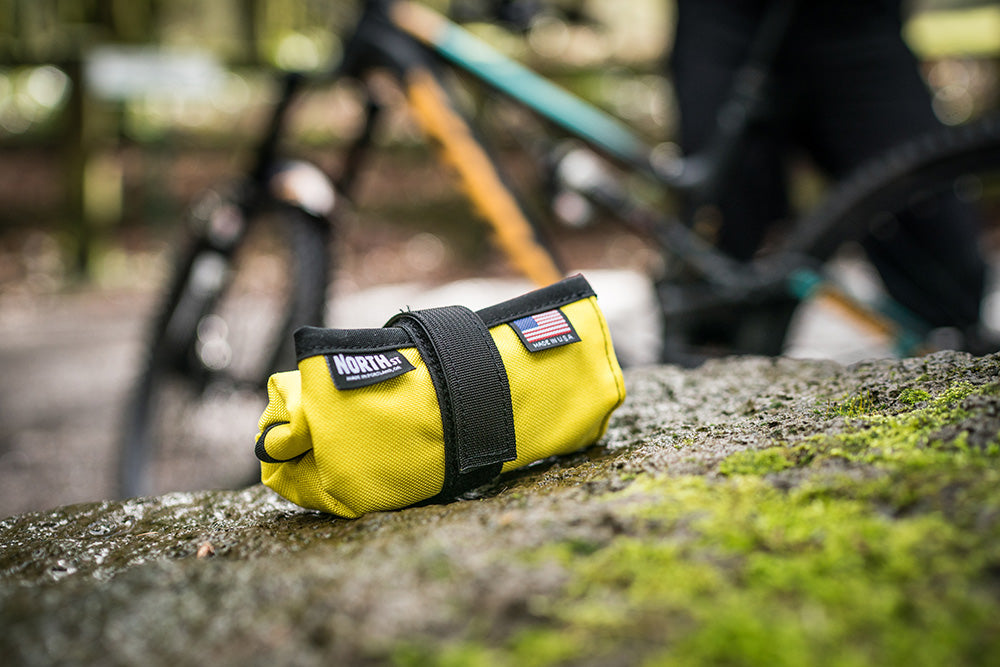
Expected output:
{"points": [[473, 393]]}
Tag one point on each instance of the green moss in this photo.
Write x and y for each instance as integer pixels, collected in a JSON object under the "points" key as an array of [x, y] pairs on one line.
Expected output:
{"points": [[531, 647], [757, 461], [539, 646], [461, 654], [889, 557], [912, 396], [738, 572], [854, 406], [911, 438], [917, 438]]}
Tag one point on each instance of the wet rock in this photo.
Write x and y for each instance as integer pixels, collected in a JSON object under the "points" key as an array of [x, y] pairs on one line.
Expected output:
{"points": [[594, 558]]}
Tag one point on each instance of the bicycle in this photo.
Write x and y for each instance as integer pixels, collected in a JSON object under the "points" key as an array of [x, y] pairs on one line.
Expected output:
{"points": [[198, 366]]}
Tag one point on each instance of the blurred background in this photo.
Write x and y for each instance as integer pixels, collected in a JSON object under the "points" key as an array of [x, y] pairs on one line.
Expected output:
{"points": [[114, 114]]}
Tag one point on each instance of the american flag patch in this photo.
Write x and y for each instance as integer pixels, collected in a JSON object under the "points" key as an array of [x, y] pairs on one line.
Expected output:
{"points": [[545, 330]]}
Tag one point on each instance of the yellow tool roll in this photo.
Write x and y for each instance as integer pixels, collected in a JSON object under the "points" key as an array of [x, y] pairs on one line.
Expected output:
{"points": [[438, 401]]}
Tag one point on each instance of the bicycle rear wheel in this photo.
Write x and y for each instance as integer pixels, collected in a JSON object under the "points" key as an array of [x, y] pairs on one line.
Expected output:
{"points": [[923, 212], [889, 205], [892, 206], [961, 161], [224, 327]]}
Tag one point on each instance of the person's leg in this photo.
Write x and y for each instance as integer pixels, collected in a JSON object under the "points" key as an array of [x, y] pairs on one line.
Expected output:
{"points": [[713, 37], [711, 44]]}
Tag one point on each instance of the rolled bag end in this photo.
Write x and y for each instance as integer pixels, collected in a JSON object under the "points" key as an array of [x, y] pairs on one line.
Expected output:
{"points": [[285, 449]]}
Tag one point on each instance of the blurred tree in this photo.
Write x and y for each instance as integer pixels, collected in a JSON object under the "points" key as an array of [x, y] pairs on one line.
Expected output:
{"points": [[59, 32], [64, 33]]}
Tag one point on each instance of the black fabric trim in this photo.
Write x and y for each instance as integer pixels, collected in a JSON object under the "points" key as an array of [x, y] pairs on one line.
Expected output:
{"points": [[312, 341], [473, 393], [558, 294], [261, 451]]}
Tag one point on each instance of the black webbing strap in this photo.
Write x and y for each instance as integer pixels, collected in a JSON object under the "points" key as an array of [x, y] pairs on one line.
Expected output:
{"points": [[473, 393]]}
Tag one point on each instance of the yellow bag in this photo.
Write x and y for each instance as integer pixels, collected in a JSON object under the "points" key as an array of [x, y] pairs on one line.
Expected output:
{"points": [[438, 401]]}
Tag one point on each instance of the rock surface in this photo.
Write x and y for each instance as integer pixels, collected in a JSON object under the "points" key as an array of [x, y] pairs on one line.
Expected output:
{"points": [[751, 511]]}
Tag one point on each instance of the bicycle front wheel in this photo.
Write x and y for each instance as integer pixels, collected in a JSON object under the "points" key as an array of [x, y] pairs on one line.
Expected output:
{"points": [[225, 325]]}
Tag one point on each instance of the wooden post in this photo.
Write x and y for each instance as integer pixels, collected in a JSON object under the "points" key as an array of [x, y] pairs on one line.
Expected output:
{"points": [[75, 148]]}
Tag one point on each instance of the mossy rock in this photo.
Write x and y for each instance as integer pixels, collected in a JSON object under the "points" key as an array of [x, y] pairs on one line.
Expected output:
{"points": [[752, 511]]}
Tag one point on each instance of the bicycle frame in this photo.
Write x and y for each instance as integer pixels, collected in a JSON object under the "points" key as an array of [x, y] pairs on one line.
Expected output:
{"points": [[419, 49], [602, 132], [415, 43], [472, 55]]}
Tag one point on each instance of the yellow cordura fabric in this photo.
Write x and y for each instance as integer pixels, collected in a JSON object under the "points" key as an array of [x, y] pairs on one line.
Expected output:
{"points": [[380, 447]]}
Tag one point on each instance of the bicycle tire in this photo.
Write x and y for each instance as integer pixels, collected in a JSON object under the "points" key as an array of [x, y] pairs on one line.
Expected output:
{"points": [[914, 172], [903, 173], [955, 167], [192, 412]]}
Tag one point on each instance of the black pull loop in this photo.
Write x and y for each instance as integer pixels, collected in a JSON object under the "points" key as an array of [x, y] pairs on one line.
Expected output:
{"points": [[473, 393]]}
